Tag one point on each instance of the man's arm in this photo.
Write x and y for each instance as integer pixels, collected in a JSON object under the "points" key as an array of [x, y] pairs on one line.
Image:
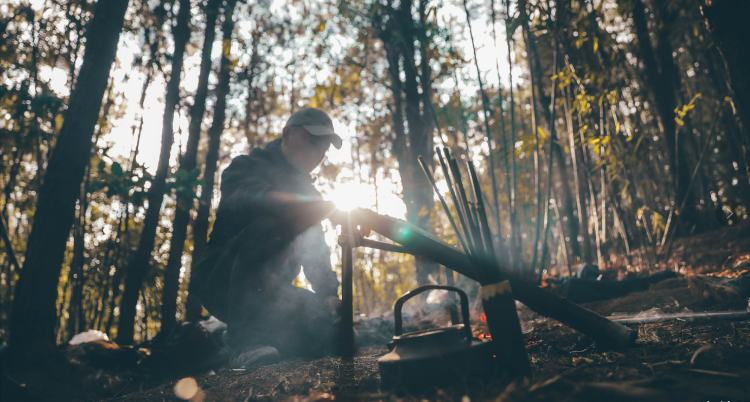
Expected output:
{"points": [[243, 186]]}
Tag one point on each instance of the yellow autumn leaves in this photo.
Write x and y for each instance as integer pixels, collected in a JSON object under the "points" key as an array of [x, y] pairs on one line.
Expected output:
{"points": [[681, 112]]}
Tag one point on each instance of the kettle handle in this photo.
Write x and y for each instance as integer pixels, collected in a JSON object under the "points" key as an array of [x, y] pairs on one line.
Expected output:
{"points": [[399, 325]]}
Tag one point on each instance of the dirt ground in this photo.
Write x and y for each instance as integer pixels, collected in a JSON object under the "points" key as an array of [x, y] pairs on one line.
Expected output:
{"points": [[674, 360], [677, 360]]}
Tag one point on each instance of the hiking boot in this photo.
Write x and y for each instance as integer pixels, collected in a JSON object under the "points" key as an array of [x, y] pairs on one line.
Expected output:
{"points": [[254, 357]]}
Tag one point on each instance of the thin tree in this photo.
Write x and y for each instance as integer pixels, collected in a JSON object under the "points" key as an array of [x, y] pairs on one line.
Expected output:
{"points": [[186, 192], [139, 263], [398, 31], [578, 166], [515, 238], [76, 313], [486, 119], [535, 128], [33, 317], [565, 199], [120, 239], [727, 22], [200, 226], [661, 77]]}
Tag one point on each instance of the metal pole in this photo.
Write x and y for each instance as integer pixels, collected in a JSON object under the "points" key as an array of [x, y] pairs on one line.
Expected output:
{"points": [[346, 240]]}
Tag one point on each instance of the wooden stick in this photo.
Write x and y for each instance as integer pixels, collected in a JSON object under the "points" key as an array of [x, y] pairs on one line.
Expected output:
{"points": [[452, 190], [431, 179], [347, 294], [369, 243], [484, 225], [708, 316], [505, 328], [456, 173], [497, 298], [481, 249]]}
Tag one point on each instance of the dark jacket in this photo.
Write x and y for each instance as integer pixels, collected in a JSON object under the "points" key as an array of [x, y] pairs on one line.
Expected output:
{"points": [[258, 244]]}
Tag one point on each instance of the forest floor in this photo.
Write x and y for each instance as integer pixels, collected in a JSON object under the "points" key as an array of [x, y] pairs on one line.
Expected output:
{"points": [[672, 360]]}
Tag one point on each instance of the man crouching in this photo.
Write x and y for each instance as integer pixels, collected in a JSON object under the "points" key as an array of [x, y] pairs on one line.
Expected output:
{"points": [[267, 228]]}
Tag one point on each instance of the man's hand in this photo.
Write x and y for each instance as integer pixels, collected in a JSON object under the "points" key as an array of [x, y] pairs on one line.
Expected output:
{"points": [[339, 217]]}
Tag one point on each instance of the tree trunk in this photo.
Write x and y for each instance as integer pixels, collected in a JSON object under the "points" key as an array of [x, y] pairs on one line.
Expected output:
{"points": [[139, 264], [421, 139], [10, 252], [579, 167], [200, 226], [33, 318], [186, 196], [543, 99], [727, 21], [486, 113], [661, 75], [76, 318], [398, 37]]}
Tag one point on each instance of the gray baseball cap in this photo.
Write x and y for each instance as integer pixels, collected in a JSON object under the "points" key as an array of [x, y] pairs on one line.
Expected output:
{"points": [[316, 122]]}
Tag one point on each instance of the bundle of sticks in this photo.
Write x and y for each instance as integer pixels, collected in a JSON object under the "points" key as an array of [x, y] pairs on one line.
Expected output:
{"points": [[474, 232], [475, 237]]}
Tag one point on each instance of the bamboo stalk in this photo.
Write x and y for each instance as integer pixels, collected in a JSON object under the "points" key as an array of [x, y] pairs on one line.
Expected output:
{"points": [[514, 238], [576, 164], [502, 132], [540, 199], [548, 184]]}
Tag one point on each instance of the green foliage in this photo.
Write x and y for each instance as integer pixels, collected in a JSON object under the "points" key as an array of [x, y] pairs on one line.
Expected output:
{"points": [[183, 183], [115, 182]]}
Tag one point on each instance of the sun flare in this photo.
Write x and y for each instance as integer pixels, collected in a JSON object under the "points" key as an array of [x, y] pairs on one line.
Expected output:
{"points": [[351, 195]]}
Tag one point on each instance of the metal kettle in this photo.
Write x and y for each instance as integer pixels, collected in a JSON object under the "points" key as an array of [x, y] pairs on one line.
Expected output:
{"points": [[435, 357]]}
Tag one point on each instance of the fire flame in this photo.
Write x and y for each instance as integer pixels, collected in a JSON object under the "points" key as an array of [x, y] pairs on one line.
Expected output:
{"points": [[480, 331]]}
